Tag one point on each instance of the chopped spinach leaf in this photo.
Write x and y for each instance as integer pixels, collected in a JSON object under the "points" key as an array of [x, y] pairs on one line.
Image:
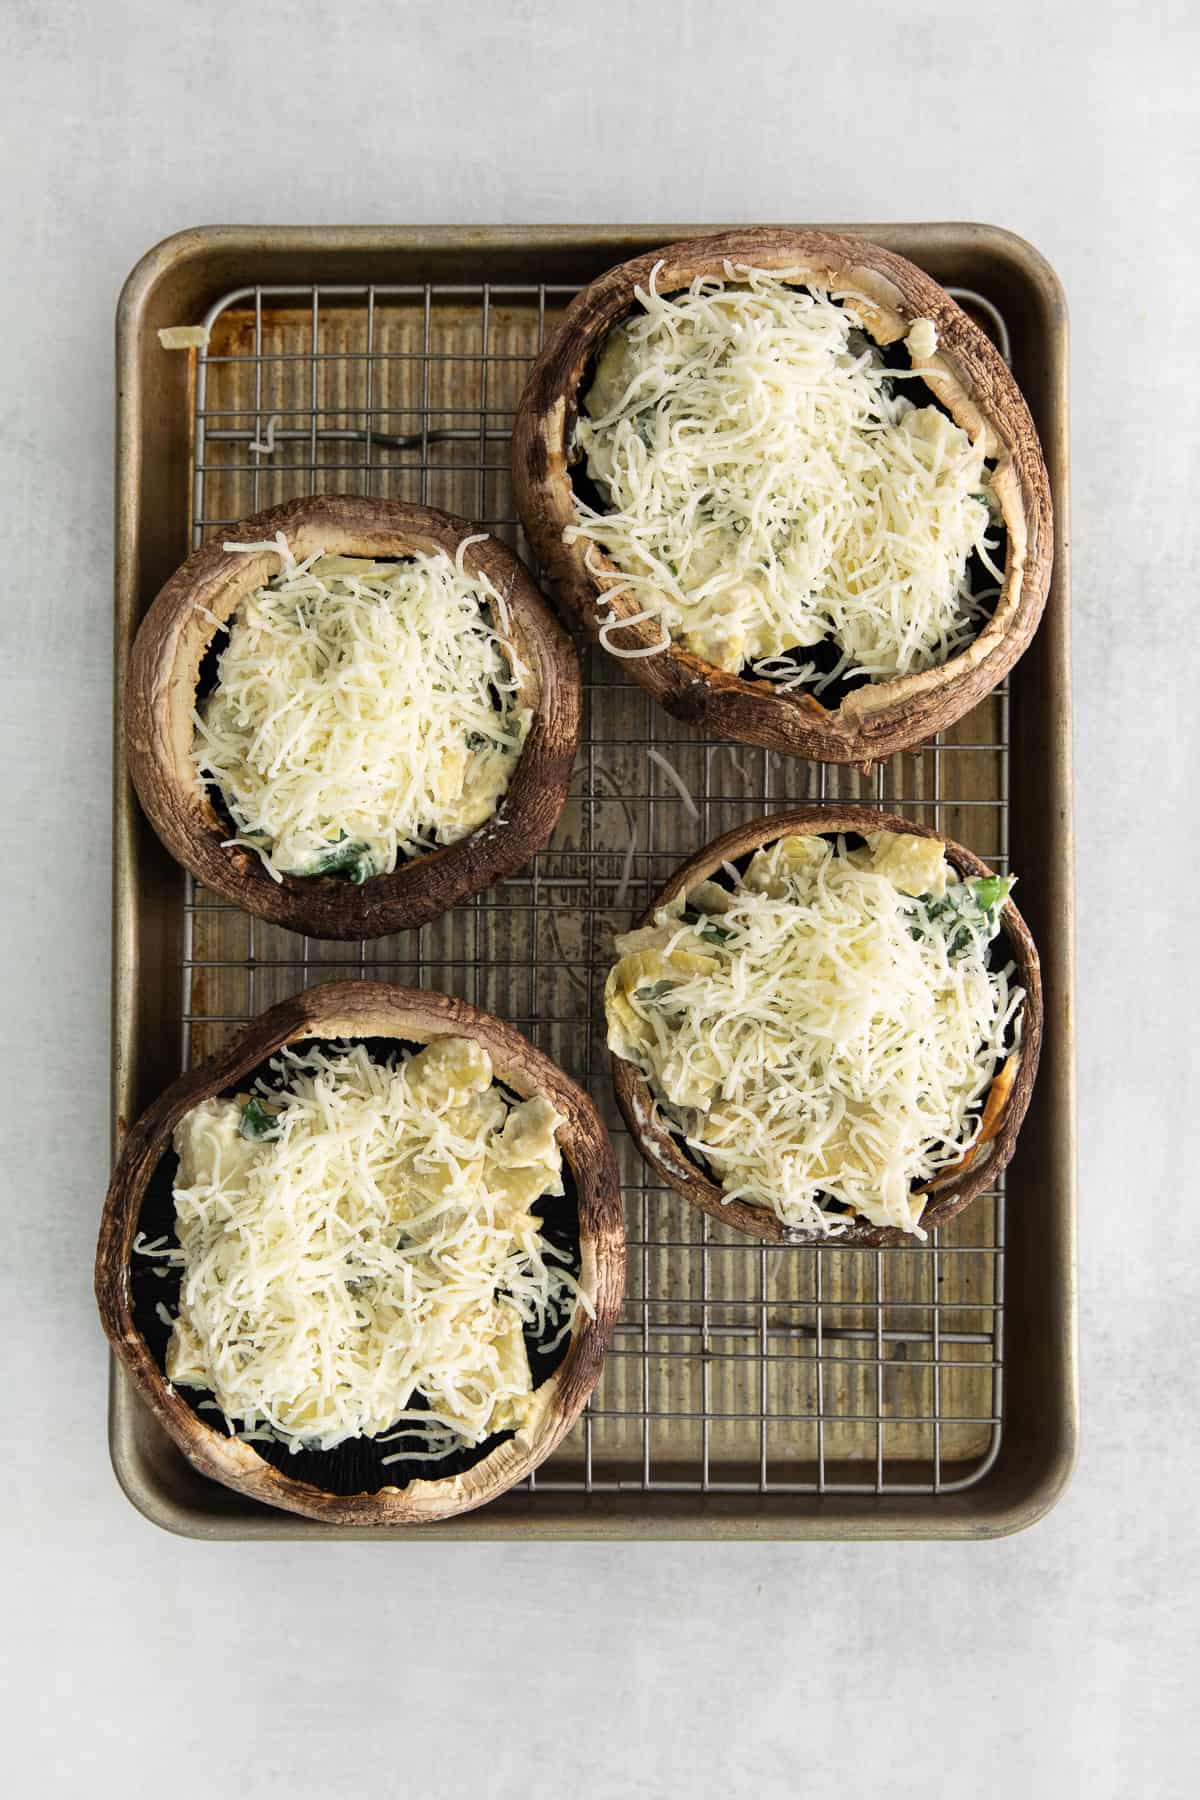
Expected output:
{"points": [[990, 891], [257, 1123], [714, 933], [705, 927], [349, 856], [973, 902], [654, 990]]}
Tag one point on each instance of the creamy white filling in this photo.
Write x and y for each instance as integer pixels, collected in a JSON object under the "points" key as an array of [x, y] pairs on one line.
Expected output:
{"points": [[364, 712], [769, 487]]}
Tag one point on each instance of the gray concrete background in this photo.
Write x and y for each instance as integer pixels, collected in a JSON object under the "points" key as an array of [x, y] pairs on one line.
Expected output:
{"points": [[1061, 1661]]}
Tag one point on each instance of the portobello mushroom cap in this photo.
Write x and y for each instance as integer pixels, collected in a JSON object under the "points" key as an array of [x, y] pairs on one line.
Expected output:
{"points": [[356, 1009], [1008, 1097], [161, 694], [968, 377]]}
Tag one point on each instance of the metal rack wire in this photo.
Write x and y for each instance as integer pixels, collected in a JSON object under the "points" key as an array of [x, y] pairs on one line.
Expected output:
{"points": [[736, 1367]]}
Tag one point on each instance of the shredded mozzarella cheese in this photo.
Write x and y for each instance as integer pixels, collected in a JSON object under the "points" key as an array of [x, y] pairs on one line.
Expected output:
{"points": [[364, 712], [824, 1029], [676, 780], [366, 1260], [622, 888], [767, 489]]}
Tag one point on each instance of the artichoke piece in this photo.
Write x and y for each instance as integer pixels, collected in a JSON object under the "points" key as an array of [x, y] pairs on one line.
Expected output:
{"points": [[914, 865], [527, 1139], [710, 897], [450, 1068], [643, 937], [769, 870]]}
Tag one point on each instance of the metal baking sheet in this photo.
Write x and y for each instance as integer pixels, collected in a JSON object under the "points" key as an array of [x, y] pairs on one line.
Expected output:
{"points": [[751, 1391]]}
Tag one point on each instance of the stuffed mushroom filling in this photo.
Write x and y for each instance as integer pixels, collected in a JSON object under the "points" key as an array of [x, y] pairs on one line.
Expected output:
{"points": [[766, 493], [361, 1253], [825, 1032], [363, 713]]}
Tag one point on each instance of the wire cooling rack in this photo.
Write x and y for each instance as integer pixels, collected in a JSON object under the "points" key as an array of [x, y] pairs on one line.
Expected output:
{"points": [[736, 1367]]}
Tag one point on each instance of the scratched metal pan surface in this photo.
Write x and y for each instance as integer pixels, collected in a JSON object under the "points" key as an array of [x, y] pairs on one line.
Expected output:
{"points": [[751, 1391]]}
